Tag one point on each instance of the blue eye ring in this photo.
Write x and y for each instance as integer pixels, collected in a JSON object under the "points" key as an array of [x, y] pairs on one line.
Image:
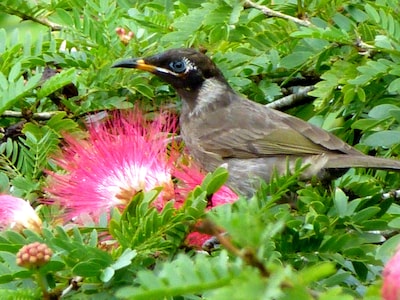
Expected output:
{"points": [[178, 66]]}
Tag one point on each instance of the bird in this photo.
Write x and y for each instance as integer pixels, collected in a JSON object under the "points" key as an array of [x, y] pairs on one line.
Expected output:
{"points": [[222, 128]]}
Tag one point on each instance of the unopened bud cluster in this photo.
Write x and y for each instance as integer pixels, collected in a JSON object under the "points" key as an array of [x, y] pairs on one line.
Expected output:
{"points": [[34, 255], [124, 36]]}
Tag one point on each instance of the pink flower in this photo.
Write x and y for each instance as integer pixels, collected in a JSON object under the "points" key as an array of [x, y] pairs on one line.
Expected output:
{"points": [[120, 157], [391, 278], [190, 177], [17, 214]]}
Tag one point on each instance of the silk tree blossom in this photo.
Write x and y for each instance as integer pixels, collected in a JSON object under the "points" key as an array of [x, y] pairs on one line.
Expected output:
{"points": [[391, 278], [190, 177], [120, 157], [18, 214]]}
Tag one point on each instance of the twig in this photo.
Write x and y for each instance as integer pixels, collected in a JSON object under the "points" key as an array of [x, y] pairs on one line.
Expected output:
{"points": [[35, 116], [363, 48], [393, 194], [53, 26], [272, 13], [74, 285], [247, 254], [291, 99], [44, 21]]}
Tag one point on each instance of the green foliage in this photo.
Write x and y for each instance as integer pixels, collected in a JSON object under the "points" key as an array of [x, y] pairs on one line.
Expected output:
{"points": [[24, 161], [143, 228], [182, 276], [315, 241], [18, 294]]}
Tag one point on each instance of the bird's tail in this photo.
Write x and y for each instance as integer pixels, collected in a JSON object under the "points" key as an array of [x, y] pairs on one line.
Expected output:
{"points": [[362, 161]]}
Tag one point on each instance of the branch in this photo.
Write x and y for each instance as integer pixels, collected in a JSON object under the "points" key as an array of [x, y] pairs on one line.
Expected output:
{"points": [[364, 47], [53, 26], [36, 116], [291, 99], [73, 286], [272, 13], [44, 21], [393, 194], [247, 255]]}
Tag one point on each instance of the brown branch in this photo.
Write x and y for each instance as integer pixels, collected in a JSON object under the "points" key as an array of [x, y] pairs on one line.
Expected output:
{"points": [[44, 21], [291, 99], [392, 194], [36, 116], [53, 26], [364, 47], [247, 255], [73, 286], [272, 13]]}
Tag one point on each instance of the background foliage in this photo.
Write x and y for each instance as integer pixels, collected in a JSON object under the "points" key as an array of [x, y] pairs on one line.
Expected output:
{"points": [[55, 58]]}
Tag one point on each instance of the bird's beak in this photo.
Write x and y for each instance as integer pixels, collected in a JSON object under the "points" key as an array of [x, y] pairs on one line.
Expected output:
{"points": [[135, 64], [140, 64]]}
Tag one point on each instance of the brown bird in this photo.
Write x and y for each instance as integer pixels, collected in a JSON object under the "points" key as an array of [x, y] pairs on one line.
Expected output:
{"points": [[220, 127]]}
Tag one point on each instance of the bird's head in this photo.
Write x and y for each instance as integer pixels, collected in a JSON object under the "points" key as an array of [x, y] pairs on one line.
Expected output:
{"points": [[185, 69]]}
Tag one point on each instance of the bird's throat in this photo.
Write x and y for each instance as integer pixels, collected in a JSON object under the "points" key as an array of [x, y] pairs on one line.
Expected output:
{"points": [[210, 95]]}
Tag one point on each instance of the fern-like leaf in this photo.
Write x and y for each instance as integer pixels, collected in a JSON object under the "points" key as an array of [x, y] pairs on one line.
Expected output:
{"points": [[9, 157], [19, 294], [34, 153], [182, 276], [143, 228]]}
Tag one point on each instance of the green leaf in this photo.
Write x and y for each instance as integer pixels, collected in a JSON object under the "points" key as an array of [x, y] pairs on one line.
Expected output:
{"points": [[340, 200], [385, 138], [394, 86], [125, 259], [382, 111], [317, 272], [365, 124], [218, 34], [349, 95], [295, 59], [395, 223], [361, 269], [14, 72], [107, 274], [343, 22], [383, 42], [3, 42], [372, 12], [396, 114], [88, 268], [215, 180], [365, 214], [60, 124], [12, 92], [360, 94], [389, 248], [65, 17]]}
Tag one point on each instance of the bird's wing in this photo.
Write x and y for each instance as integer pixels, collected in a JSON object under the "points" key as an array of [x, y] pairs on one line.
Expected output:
{"points": [[265, 132]]}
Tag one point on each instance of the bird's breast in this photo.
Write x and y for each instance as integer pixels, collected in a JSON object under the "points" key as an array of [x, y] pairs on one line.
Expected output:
{"points": [[191, 132]]}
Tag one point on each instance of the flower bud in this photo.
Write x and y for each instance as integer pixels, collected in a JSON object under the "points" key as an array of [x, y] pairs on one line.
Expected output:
{"points": [[34, 255]]}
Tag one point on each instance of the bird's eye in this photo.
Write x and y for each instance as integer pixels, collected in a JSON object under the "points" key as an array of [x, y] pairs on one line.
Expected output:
{"points": [[178, 66]]}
